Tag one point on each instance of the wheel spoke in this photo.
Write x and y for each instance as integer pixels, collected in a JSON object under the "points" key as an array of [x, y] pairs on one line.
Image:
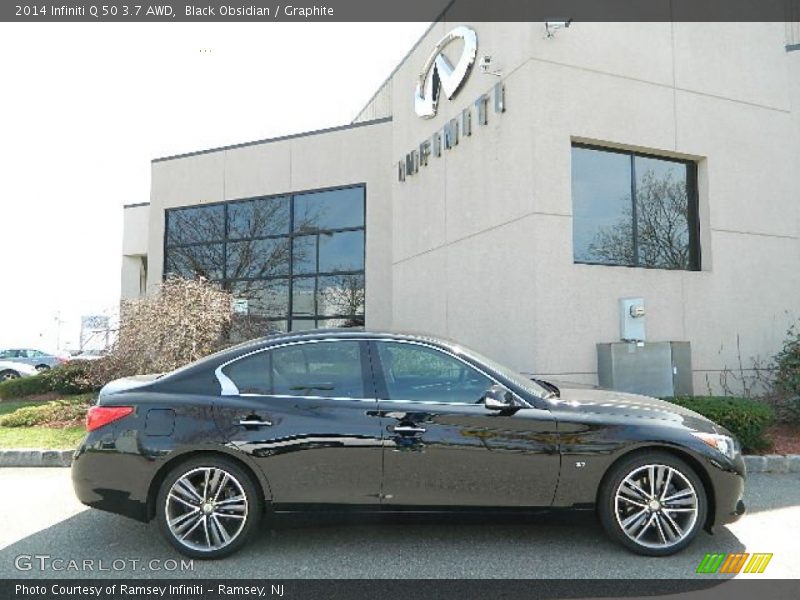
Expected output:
{"points": [[674, 529], [680, 495], [221, 529], [230, 516], [630, 523], [177, 498], [230, 500], [651, 477], [180, 523], [631, 501], [201, 519], [219, 485], [646, 526], [633, 488], [666, 485], [186, 489], [663, 537]]}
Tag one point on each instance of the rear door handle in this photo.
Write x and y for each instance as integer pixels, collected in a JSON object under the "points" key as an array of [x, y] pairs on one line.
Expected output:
{"points": [[408, 429], [255, 423]]}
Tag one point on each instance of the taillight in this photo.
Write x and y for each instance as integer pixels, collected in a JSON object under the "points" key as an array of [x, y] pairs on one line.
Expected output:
{"points": [[98, 416]]}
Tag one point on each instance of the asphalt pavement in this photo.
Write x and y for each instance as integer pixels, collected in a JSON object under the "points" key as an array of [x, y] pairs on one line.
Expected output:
{"points": [[41, 518]]}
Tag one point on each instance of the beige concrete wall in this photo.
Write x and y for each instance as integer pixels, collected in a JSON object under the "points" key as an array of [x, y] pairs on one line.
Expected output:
{"points": [[493, 217], [358, 154], [135, 241]]}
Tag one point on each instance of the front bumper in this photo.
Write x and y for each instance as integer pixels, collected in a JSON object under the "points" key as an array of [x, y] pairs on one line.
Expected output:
{"points": [[728, 483]]}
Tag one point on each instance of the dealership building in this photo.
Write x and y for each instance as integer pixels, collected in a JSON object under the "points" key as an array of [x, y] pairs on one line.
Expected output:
{"points": [[537, 192]]}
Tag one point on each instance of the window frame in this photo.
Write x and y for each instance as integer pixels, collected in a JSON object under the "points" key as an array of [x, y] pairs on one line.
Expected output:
{"points": [[229, 388], [290, 236], [692, 208]]}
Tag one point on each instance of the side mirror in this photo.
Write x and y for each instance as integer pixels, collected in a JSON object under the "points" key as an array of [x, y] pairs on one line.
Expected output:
{"points": [[498, 398]]}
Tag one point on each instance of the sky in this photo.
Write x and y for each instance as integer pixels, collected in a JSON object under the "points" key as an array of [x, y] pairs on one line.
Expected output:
{"points": [[84, 107]]}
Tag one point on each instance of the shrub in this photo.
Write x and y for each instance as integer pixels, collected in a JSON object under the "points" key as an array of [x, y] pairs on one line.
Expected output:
{"points": [[74, 377], [77, 377], [746, 419], [786, 366], [24, 386], [184, 321], [55, 413]]}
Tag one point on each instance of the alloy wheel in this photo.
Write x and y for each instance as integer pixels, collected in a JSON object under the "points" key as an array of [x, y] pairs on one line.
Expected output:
{"points": [[656, 506], [206, 509]]}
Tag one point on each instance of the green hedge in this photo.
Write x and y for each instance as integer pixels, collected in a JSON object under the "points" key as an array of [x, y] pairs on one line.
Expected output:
{"points": [[23, 387], [74, 377], [746, 419], [55, 412]]}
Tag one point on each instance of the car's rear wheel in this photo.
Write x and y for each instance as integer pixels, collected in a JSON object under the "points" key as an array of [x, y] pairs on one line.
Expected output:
{"points": [[208, 507], [42, 368], [8, 374], [653, 503]]}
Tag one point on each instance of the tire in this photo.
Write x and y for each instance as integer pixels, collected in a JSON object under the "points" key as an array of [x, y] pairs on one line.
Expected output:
{"points": [[657, 524], [204, 534], [8, 374], [42, 368]]}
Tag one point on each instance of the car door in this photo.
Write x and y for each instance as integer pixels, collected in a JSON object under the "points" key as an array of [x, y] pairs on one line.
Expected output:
{"points": [[443, 447], [307, 414]]}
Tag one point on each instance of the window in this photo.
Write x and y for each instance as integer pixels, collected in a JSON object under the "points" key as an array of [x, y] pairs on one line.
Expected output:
{"points": [[292, 261], [328, 369], [414, 372], [634, 210]]}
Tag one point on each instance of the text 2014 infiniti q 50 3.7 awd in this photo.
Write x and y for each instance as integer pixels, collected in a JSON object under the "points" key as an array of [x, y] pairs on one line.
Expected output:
{"points": [[391, 422]]}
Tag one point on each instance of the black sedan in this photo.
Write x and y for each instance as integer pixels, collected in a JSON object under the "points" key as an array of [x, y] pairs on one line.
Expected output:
{"points": [[394, 422]]}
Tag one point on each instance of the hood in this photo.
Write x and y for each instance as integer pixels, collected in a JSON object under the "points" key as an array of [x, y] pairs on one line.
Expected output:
{"points": [[622, 404], [127, 383]]}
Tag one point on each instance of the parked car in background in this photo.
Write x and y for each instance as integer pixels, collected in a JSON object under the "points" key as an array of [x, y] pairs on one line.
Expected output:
{"points": [[36, 358], [12, 370], [389, 422]]}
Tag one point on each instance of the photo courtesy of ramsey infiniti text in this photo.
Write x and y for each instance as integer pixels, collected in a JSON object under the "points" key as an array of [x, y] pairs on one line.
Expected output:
{"points": [[381, 421]]}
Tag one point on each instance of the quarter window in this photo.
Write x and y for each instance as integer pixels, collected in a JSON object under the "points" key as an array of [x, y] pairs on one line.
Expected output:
{"points": [[414, 372], [634, 210], [327, 369]]}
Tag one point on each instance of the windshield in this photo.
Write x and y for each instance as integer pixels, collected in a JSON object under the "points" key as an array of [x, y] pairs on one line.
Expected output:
{"points": [[517, 379]]}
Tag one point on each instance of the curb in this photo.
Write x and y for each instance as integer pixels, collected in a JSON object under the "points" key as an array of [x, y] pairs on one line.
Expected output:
{"points": [[36, 458], [770, 463], [773, 463]]}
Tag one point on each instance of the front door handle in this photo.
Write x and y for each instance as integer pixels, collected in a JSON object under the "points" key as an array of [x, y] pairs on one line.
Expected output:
{"points": [[255, 423], [408, 429]]}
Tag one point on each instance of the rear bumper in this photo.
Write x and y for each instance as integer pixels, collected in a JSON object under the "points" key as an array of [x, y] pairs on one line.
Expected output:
{"points": [[111, 481]]}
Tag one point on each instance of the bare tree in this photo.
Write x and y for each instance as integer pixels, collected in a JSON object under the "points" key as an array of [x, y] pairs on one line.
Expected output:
{"points": [[662, 227]]}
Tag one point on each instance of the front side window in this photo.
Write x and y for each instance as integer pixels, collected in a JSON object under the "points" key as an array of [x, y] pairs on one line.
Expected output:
{"points": [[292, 261], [327, 369], [634, 210], [420, 373]]}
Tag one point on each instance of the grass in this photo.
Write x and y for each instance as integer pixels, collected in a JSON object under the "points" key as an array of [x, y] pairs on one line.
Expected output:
{"points": [[41, 437], [9, 406], [59, 438]]}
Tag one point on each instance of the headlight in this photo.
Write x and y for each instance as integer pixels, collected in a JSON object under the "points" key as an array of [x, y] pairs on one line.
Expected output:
{"points": [[723, 443]]}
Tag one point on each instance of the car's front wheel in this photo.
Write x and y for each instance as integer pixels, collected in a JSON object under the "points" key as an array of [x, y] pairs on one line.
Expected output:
{"points": [[653, 503], [208, 507]]}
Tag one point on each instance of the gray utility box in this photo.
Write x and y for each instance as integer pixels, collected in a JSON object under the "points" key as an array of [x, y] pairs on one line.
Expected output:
{"points": [[655, 369]]}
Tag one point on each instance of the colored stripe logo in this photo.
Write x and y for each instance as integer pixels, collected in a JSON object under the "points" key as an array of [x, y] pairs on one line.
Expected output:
{"points": [[733, 563]]}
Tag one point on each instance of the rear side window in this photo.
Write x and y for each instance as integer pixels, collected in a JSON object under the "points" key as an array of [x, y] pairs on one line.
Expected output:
{"points": [[328, 369]]}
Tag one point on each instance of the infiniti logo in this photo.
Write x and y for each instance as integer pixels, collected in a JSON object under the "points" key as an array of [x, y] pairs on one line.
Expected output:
{"points": [[438, 74]]}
